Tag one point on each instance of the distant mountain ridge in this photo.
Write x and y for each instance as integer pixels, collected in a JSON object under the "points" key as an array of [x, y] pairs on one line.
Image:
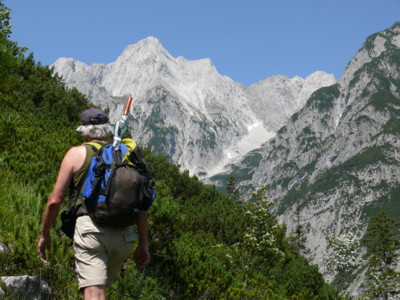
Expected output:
{"points": [[335, 164], [186, 109]]}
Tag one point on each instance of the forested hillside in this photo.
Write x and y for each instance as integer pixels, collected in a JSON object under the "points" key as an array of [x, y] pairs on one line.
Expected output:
{"points": [[204, 244]]}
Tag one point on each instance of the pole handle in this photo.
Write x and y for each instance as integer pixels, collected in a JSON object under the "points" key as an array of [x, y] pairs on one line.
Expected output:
{"points": [[127, 106]]}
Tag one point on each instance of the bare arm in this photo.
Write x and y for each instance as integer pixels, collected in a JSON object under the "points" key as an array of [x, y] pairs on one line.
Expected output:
{"points": [[142, 254], [69, 165]]}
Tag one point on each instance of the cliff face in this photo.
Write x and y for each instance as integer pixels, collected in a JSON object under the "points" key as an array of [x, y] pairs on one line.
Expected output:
{"points": [[186, 109], [337, 158]]}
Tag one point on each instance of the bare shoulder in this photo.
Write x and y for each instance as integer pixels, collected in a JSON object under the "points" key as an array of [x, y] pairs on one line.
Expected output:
{"points": [[72, 162], [75, 157], [75, 152]]}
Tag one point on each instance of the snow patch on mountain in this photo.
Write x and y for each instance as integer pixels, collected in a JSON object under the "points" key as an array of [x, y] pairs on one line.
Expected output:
{"points": [[257, 135]]}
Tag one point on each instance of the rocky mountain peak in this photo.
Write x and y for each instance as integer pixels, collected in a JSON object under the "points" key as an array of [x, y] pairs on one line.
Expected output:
{"points": [[374, 46], [279, 96], [149, 48], [185, 108]]}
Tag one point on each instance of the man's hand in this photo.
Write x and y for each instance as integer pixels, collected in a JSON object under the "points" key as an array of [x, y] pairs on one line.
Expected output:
{"points": [[142, 256], [43, 245]]}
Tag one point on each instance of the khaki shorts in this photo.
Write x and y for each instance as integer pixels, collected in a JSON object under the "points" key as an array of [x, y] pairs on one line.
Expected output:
{"points": [[100, 251]]}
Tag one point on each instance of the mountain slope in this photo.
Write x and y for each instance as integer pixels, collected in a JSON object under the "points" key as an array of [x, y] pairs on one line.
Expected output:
{"points": [[336, 160], [186, 109]]}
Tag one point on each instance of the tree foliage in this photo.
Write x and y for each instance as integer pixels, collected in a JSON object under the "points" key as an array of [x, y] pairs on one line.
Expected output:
{"points": [[344, 258], [298, 236], [204, 244], [382, 241]]}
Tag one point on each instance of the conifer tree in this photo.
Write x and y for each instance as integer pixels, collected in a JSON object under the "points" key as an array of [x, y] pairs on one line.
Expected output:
{"points": [[5, 31], [382, 240], [8, 52], [232, 189], [298, 237], [5, 26]]}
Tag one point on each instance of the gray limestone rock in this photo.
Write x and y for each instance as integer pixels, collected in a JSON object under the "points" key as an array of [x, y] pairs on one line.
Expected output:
{"points": [[26, 287]]}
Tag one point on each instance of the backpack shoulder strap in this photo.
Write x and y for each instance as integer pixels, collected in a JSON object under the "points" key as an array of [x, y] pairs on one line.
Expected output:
{"points": [[94, 145], [92, 149], [74, 191]]}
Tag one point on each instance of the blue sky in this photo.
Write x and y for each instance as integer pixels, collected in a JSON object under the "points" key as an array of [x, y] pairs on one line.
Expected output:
{"points": [[247, 40]]}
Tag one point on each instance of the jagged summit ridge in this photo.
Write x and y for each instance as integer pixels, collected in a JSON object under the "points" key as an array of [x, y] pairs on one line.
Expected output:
{"points": [[185, 108], [279, 96], [372, 48]]}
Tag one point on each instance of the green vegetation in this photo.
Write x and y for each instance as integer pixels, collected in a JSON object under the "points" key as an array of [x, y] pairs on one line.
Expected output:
{"points": [[383, 281], [392, 126], [160, 141], [242, 171], [290, 165], [307, 139], [383, 99], [294, 117], [336, 176], [282, 130], [323, 99], [387, 202], [363, 119], [380, 90], [204, 244], [344, 259]]}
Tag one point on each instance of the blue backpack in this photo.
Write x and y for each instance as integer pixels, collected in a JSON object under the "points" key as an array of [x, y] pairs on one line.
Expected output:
{"points": [[115, 189]]}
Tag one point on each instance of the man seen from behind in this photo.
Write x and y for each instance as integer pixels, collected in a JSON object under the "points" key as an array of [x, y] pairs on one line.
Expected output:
{"points": [[100, 251]]}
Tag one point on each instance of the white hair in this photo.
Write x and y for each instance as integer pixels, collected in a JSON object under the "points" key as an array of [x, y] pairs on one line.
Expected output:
{"points": [[100, 132]]}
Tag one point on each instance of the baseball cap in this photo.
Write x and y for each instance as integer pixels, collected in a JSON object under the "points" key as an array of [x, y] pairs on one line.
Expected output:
{"points": [[94, 116]]}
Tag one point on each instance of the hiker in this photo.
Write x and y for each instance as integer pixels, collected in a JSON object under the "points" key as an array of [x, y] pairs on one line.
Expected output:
{"points": [[100, 251]]}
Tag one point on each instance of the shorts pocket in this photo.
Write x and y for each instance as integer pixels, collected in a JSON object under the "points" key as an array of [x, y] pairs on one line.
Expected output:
{"points": [[87, 234], [85, 225]]}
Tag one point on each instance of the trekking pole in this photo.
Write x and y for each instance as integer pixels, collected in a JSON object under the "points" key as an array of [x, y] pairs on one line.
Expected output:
{"points": [[120, 127]]}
